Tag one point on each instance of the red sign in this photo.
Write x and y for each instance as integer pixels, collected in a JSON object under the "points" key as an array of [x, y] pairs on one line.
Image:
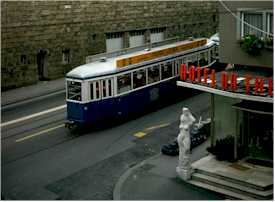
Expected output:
{"points": [[225, 78]]}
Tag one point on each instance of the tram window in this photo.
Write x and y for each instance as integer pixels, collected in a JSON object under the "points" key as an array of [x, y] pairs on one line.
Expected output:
{"points": [[139, 78], [104, 89], [176, 67], [74, 90], [216, 51], [211, 55], [92, 91], [203, 59], [189, 64], [123, 83], [153, 74], [166, 70], [97, 89], [110, 87], [180, 61], [194, 60]]}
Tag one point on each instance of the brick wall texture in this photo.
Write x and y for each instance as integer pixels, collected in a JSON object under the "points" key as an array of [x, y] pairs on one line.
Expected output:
{"points": [[29, 27]]}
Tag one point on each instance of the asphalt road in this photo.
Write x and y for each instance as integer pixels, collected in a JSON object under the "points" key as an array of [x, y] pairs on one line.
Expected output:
{"points": [[42, 161]]}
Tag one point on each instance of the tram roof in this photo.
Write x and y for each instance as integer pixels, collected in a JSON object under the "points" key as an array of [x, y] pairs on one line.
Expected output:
{"points": [[109, 66]]}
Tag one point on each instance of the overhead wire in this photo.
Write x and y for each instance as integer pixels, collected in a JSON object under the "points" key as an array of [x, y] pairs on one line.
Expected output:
{"points": [[237, 17]]}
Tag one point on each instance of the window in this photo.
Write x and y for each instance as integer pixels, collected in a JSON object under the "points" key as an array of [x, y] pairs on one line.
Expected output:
{"points": [[153, 74], [101, 89], [269, 23], [214, 18], [124, 83], [92, 91], [106, 88], [74, 90], [109, 83], [95, 90], [181, 61], [94, 37], [203, 59], [157, 35], [216, 48], [23, 59], [66, 56], [212, 52], [166, 70], [139, 78], [255, 19], [192, 60], [263, 20], [137, 38], [114, 41], [177, 67]]}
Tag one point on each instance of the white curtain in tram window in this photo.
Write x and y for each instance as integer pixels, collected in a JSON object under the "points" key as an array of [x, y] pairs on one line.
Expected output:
{"points": [[271, 23], [137, 40], [156, 37], [113, 44], [255, 19]]}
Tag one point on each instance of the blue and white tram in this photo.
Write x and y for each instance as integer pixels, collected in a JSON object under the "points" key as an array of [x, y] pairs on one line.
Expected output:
{"points": [[101, 91]]}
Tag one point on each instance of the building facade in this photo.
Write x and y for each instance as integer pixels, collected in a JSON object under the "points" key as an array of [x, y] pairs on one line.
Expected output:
{"points": [[232, 30], [241, 97], [45, 39], [252, 121]]}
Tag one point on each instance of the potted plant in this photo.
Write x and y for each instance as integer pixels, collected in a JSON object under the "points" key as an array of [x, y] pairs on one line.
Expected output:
{"points": [[269, 42], [252, 45]]}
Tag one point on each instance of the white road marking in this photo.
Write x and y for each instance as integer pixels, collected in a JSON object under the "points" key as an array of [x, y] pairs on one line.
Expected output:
{"points": [[39, 133], [33, 115]]}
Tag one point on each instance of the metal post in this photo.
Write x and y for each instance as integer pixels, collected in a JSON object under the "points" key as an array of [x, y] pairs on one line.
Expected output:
{"points": [[212, 132], [236, 135]]}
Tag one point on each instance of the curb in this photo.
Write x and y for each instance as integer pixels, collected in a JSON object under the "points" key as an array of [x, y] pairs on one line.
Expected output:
{"points": [[28, 99], [124, 176]]}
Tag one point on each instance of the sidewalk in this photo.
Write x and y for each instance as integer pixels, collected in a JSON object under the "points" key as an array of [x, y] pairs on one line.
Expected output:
{"points": [[42, 88], [156, 179]]}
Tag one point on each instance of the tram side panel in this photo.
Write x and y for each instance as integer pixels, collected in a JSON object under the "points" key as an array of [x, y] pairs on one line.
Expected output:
{"points": [[75, 112], [133, 103]]}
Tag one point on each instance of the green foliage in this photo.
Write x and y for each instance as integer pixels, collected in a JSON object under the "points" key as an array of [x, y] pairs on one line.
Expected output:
{"points": [[252, 45]]}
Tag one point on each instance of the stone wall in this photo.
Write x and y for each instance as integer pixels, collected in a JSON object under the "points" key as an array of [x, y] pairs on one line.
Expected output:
{"points": [[81, 26]]}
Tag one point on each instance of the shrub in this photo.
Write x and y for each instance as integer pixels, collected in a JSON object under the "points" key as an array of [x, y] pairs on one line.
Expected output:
{"points": [[223, 149]]}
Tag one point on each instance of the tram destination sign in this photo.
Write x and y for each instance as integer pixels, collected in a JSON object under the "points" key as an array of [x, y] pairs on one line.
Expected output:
{"points": [[160, 53]]}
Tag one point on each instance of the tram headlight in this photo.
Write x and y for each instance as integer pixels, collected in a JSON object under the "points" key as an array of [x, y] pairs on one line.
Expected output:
{"points": [[85, 108]]}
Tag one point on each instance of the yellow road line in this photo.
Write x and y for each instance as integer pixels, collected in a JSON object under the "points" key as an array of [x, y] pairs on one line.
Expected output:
{"points": [[39, 133], [157, 126], [139, 134], [142, 134]]}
